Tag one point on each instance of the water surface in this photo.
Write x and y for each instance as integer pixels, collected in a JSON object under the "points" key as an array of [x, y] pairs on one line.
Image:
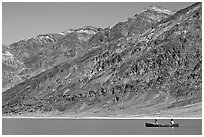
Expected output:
{"points": [[97, 127]]}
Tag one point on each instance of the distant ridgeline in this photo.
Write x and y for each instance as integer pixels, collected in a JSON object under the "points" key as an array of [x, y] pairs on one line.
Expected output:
{"points": [[149, 65]]}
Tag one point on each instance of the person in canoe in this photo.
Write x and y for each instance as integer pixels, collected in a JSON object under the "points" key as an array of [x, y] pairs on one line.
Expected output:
{"points": [[156, 122], [171, 122]]}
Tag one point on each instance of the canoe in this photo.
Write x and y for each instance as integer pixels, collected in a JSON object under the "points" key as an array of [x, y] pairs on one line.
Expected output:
{"points": [[160, 125]]}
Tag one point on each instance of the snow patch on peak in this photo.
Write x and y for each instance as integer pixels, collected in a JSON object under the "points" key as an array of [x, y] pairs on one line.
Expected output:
{"points": [[158, 9], [89, 28], [68, 31], [86, 31], [161, 10], [61, 33], [42, 37], [7, 55]]}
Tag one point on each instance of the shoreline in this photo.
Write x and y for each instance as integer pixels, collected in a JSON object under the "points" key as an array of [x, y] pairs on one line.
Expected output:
{"points": [[94, 118]]}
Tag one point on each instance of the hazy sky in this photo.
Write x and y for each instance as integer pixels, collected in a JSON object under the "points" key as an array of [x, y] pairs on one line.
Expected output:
{"points": [[25, 20]]}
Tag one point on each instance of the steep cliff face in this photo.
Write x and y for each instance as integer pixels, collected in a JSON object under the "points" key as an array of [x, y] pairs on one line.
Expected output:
{"points": [[147, 65]]}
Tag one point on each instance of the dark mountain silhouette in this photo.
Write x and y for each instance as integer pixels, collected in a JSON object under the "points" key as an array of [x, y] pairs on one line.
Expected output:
{"points": [[149, 65]]}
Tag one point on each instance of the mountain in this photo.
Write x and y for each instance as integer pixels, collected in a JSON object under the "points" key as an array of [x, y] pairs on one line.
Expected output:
{"points": [[11, 67], [42, 52], [149, 65]]}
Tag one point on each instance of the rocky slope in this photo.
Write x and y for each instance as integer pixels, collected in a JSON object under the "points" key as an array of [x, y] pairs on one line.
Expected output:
{"points": [[42, 52], [11, 67], [148, 65]]}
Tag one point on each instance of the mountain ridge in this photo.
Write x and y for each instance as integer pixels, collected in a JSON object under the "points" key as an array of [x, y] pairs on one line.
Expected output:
{"points": [[119, 72]]}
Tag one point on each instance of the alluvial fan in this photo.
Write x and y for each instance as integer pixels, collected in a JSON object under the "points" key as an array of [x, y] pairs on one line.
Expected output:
{"points": [[149, 65]]}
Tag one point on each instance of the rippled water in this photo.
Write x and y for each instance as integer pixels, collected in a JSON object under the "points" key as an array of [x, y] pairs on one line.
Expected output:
{"points": [[98, 126]]}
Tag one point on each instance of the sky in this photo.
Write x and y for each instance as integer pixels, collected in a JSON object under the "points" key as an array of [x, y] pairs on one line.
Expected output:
{"points": [[24, 20]]}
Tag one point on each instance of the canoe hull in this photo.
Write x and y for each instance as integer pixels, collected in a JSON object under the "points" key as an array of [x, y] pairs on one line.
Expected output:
{"points": [[159, 125]]}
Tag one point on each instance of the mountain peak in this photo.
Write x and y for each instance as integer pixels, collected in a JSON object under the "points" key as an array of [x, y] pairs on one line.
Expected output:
{"points": [[87, 29], [158, 9]]}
